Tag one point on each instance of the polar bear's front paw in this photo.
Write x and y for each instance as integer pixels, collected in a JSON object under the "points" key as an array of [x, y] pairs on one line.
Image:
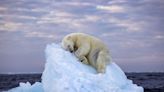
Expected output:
{"points": [[85, 61], [82, 59]]}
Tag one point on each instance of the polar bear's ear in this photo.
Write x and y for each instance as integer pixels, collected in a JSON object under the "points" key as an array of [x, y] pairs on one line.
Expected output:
{"points": [[69, 37]]}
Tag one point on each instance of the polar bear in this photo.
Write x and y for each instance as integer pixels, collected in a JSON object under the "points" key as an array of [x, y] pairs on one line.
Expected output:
{"points": [[88, 49]]}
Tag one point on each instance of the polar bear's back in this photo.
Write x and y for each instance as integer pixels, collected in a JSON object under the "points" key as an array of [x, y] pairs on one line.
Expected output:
{"points": [[94, 42]]}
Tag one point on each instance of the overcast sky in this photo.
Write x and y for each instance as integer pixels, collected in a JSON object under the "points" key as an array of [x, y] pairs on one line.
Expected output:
{"points": [[132, 29]]}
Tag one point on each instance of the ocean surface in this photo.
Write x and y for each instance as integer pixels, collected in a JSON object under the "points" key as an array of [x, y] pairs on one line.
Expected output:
{"points": [[152, 82]]}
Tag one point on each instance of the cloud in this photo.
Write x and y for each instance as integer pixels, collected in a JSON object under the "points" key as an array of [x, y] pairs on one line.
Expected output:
{"points": [[117, 2], [56, 17], [68, 19], [3, 8], [77, 4], [39, 34], [34, 10], [112, 8], [133, 43], [131, 25], [91, 18], [159, 37], [10, 26]]}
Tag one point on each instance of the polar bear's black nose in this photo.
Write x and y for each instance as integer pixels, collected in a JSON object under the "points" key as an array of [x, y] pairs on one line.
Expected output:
{"points": [[71, 51]]}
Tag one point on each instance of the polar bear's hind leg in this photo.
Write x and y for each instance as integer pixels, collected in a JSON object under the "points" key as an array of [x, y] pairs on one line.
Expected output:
{"points": [[101, 61]]}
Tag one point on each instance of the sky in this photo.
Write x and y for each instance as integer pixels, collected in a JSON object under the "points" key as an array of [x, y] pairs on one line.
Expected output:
{"points": [[132, 30]]}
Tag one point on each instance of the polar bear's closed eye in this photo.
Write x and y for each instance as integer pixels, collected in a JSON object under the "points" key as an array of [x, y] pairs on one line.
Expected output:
{"points": [[68, 45]]}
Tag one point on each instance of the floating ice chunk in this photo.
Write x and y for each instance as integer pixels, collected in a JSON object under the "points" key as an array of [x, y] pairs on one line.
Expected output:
{"points": [[27, 87]]}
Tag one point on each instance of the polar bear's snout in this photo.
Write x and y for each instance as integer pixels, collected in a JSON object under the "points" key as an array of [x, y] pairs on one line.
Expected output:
{"points": [[71, 49]]}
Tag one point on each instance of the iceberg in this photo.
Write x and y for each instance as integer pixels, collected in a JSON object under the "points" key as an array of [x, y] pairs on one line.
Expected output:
{"points": [[64, 73]]}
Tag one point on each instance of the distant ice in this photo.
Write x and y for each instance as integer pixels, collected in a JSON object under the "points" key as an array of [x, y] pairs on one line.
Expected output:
{"points": [[27, 87], [64, 73]]}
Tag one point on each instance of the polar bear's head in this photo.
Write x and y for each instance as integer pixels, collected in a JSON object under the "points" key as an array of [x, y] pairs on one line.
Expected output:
{"points": [[68, 44]]}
